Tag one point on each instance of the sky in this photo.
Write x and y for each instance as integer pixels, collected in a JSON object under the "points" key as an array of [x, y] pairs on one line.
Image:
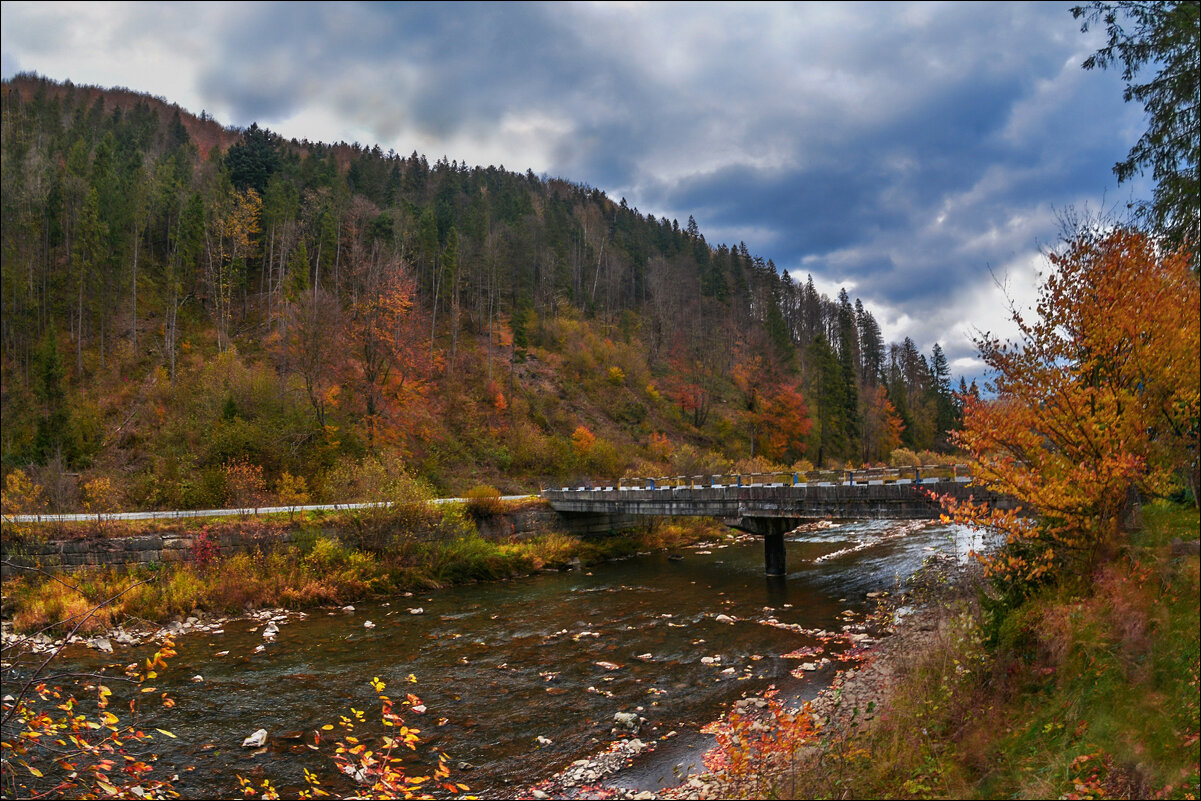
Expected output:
{"points": [[921, 155]]}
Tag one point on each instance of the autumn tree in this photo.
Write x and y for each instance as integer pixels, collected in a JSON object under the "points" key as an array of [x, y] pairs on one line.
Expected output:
{"points": [[384, 330], [882, 426], [1096, 401], [313, 347], [784, 421]]}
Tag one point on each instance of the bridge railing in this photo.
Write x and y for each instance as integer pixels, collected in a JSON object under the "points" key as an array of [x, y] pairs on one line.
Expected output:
{"points": [[878, 475]]}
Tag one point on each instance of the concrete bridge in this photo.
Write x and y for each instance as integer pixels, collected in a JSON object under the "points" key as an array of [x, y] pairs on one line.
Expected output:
{"points": [[770, 505]]}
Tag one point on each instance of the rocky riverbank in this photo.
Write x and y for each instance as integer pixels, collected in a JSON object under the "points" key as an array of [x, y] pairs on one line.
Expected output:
{"points": [[879, 647]]}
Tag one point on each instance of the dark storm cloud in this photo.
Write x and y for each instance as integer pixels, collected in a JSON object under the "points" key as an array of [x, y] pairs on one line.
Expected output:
{"points": [[445, 67]]}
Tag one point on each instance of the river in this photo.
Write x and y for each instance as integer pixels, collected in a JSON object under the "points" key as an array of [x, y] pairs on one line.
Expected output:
{"points": [[498, 665]]}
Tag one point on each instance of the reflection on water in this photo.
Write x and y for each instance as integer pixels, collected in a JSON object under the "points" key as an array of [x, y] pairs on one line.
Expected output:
{"points": [[506, 663]]}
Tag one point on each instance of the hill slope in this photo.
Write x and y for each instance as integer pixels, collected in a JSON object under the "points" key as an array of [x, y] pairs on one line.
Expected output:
{"points": [[192, 312]]}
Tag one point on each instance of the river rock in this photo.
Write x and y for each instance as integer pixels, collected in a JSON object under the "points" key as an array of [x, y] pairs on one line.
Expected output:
{"points": [[626, 720], [270, 630], [348, 609], [197, 679], [256, 740], [724, 619], [367, 624], [417, 610], [540, 740], [102, 644]]}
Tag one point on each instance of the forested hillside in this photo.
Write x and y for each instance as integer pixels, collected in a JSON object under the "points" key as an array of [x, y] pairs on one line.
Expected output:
{"points": [[195, 315]]}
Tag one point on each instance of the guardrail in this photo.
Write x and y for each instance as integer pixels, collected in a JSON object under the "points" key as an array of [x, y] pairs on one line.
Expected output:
{"points": [[878, 475], [104, 517]]}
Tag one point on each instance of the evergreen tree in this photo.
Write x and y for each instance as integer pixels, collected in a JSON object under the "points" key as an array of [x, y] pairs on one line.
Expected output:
{"points": [[1166, 35], [253, 161], [55, 435]]}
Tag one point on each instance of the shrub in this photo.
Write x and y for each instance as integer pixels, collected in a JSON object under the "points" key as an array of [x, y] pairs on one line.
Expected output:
{"points": [[244, 484], [292, 490], [20, 496], [99, 496], [484, 502], [903, 457], [205, 549], [454, 523]]}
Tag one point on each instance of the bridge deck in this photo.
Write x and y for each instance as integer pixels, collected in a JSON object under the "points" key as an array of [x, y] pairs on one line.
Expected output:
{"points": [[904, 499]]}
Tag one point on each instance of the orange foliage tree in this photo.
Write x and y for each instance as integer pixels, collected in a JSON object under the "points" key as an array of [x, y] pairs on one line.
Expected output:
{"points": [[385, 332], [784, 421], [1099, 399], [882, 426], [583, 441]]}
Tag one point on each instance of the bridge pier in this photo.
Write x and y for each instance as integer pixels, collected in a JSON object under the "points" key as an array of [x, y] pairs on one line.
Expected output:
{"points": [[772, 530], [773, 554]]}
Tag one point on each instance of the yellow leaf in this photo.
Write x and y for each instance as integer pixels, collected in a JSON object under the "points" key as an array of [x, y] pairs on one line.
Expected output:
{"points": [[164, 731]]}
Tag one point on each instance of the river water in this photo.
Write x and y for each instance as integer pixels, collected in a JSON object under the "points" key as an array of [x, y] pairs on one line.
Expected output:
{"points": [[499, 665]]}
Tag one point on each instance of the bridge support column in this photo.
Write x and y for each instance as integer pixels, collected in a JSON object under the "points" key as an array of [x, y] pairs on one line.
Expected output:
{"points": [[773, 554], [772, 530]]}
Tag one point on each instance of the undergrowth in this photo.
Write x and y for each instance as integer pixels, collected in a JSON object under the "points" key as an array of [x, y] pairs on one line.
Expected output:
{"points": [[1085, 689]]}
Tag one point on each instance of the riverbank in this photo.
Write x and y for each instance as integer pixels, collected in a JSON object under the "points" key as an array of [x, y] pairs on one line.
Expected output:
{"points": [[766, 746], [1087, 688], [374, 558]]}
